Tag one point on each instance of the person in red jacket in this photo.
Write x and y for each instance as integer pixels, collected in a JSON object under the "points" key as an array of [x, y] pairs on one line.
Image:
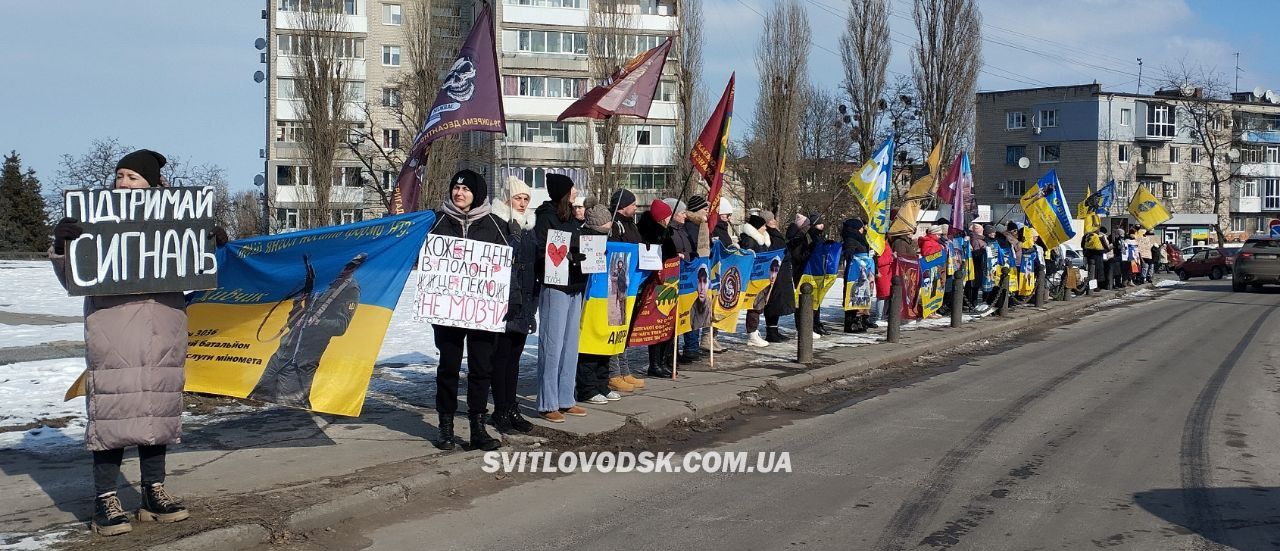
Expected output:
{"points": [[931, 242]]}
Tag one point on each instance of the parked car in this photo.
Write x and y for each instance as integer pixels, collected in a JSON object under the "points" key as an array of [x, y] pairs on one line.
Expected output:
{"points": [[1211, 262], [1257, 263], [1228, 250], [1075, 256]]}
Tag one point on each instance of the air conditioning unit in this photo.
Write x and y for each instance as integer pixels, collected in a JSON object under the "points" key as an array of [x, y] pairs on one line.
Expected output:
{"points": [[1035, 130], [1000, 186]]}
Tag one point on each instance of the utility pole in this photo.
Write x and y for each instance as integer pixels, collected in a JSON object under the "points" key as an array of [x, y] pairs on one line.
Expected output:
{"points": [[1237, 86], [1139, 75]]}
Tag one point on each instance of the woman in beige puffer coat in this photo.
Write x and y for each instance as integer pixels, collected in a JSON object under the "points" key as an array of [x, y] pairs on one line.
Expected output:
{"points": [[135, 348]]}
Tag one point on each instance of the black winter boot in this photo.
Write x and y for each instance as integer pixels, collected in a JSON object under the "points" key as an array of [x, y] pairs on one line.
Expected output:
{"points": [[158, 505], [480, 439], [502, 419], [109, 518], [771, 334], [446, 441], [518, 422], [818, 327]]}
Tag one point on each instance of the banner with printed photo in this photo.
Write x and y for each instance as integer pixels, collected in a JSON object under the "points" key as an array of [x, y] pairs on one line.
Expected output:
{"points": [[764, 272], [655, 319], [695, 295], [959, 253], [933, 282], [821, 271], [298, 318], [463, 283], [860, 283], [611, 296], [730, 270], [1027, 272], [909, 269]]}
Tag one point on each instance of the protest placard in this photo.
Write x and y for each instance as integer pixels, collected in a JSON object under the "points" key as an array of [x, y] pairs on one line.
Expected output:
{"points": [[556, 267], [593, 247], [463, 283], [650, 257], [149, 240]]}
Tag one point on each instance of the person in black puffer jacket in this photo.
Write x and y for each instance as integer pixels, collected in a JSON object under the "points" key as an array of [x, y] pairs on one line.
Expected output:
{"points": [[559, 307], [522, 312], [782, 298], [695, 220], [803, 236], [654, 231], [854, 234], [466, 213]]}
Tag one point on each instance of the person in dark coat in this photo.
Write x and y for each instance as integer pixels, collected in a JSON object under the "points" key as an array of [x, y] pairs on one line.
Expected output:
{"points": [[782, 297], [695, 219], [592, 382], [559, 307], [755, 238], [655, 230], [722, 232], [977, 280], [466, 213], [803, 236], [523, 309], [853, 233], [624, 230]]}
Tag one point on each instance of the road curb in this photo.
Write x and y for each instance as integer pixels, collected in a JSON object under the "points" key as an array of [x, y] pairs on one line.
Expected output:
{"points": [[239, 536]]}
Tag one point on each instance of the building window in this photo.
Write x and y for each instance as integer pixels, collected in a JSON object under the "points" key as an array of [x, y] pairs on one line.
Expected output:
{"points": [[539, 131], [666, 91], [1124, 154], [391, 97], [1273, 154], [285, 89], [1237, 223], [289, 5], [1015, 188], [653, 135], [1169, 190], [288, 131], [1249, 155], [1260, 225], [647, 177], [391, 14], [1015, 120], [1014, 152], [347, 216], [1122, 189], [548, 3], [1197, 190], [1160, 121], [391, 138], [549, 87], [1173, 155], [292, 175], [1249, 188], [287, 218], [388, 180], [1126, 117], [1048, 118], [1195, 155], [552, 42], [391, 56], [1050, 153], [1271, 194], [354, 90]]}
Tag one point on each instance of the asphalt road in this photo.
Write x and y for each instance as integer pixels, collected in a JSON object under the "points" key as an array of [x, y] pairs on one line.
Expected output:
{"points": [[1150, 426]]}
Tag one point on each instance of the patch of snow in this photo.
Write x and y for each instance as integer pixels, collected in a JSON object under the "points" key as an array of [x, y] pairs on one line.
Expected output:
{"points": [[28, 335], [1169, 283], [40, 540], [34, 390], [30, 287]]}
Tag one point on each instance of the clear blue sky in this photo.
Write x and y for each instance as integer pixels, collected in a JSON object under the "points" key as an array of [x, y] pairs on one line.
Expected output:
{"points": [[177, 76]]}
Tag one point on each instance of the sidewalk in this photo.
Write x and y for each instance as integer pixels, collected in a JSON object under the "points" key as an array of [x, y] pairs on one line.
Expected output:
{"points": [[306, 469]]}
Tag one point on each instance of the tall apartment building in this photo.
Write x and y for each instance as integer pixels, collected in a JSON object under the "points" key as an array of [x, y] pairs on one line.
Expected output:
{"points": [[543, 57], [1091, 136]]}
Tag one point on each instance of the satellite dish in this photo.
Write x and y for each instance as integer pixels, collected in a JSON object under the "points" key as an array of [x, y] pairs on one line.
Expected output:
{"points": [[1257, 91], [1024, 162], [1269, 96], [1233, 154], [259, 76], [260, 43], [1187, 90], [258, 180]]}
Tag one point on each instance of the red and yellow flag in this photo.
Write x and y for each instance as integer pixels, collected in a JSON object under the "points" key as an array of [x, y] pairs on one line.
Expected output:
{"points": [[712, 148]]}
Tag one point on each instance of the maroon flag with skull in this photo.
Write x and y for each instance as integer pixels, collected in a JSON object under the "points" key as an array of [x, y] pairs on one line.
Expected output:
{"points": [[469, 99], [629, 91]]}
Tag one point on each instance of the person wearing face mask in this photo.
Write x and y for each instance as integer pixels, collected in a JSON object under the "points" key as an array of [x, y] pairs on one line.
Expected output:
{"points": [[466, 213], [522, 311], [136, 347]]}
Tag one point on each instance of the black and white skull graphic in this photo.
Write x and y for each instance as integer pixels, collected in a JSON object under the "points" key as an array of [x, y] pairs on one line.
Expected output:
{"points": [[460, 84]]}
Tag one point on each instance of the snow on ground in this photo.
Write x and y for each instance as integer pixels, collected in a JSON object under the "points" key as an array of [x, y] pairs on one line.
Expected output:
{"points": [[29, 542], [30, 287], [33, 391], [28, 335], [1169, 283]]}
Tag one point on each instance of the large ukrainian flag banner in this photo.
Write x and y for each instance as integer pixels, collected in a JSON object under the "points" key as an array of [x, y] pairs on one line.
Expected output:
{"points": [[1046, 209], [694, 305], [730, 270], [1147, 209], [821, 271], [611, 297], [298, 318], [870, 188]]}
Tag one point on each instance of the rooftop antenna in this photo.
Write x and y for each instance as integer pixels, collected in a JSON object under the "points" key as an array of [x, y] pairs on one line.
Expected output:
{"points": [[1237, 71], [1139, 75]]}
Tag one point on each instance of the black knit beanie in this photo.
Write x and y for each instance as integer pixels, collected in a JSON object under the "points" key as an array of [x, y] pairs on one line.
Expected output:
{"points": [[146, 163], [558, 186], [474, 182]]}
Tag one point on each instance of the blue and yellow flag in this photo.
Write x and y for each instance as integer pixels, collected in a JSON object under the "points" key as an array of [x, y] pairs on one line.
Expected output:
{"points": [[1147, 209], [730, 270], [764, 272], [860, 283], [1027, 272], [694, 305], [821, 271], [870, 188], [1046, 209], [933, 281], [298, 318], [611, 297]]}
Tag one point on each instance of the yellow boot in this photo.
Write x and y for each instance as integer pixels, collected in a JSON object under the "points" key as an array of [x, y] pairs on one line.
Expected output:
{"points": [[621, 385], [638, 383]]}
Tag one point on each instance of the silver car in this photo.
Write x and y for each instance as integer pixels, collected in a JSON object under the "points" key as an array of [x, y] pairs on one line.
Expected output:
{"points": [[1257, 263]]}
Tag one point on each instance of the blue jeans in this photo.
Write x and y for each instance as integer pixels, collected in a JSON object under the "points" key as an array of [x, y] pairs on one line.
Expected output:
{"points": [[690, 341], [559, 323]]}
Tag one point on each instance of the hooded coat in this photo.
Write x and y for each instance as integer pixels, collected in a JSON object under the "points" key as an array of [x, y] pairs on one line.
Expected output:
{"points": [[136, 350], [782, 300]]}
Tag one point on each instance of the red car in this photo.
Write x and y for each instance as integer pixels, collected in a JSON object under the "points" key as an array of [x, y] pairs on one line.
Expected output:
{"points": [[1214, 263]]}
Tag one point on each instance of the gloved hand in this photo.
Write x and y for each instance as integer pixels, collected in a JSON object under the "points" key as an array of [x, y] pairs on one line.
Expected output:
{"points": [[220, 236], [66, 230], [579, 257]]}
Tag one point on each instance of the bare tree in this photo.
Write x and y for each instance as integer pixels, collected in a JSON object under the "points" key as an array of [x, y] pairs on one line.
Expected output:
{"points": [[245, 215], [609, 46], [783, 65], [903, 117], [864, 52], [1205, 117], [826, 160], [322, 93], [947, 56], [178, 172], [693, 108]]}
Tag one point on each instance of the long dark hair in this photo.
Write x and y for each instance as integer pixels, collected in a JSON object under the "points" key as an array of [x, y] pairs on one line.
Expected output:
{"points": [[564, 209]]}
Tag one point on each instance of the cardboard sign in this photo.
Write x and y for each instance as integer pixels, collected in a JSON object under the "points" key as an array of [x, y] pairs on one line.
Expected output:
{"points": [[593, 247], [556, 267], [463, 283], [650, 257], [150, 240]]}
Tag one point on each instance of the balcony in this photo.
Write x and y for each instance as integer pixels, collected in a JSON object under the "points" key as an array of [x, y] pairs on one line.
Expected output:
{"points": [[1245, 204], [1154, 168]]}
